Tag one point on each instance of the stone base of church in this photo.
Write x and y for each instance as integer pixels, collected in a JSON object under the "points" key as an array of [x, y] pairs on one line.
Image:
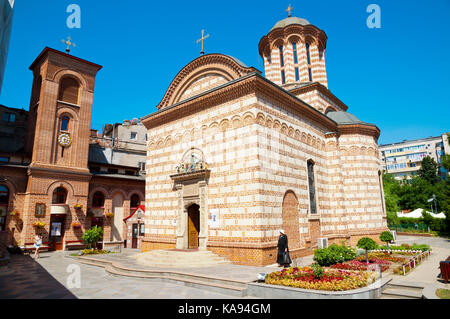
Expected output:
{"points": [[152, 245], [260, 254]]}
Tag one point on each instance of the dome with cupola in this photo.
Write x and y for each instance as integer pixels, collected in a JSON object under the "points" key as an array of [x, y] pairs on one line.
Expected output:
{"points": [[288, 21]]}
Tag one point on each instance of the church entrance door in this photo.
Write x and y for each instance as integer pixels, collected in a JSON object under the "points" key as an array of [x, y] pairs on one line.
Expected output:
{"points": [[193, 226]]}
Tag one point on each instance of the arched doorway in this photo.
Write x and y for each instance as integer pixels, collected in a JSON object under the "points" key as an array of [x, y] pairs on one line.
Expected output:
{"points": [[117, 225], [290, 216], [4, 200], [193, 226]]}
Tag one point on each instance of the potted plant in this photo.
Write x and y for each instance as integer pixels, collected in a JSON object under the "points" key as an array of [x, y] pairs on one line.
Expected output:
{"points": [[39, 224], [15, 213], [109, 214], [76, 225]]}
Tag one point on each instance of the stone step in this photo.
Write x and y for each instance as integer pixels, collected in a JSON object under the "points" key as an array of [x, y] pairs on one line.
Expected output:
{"points": [[411, 286], [401, 293], [173, 259], [195, 282], [184, 265]]}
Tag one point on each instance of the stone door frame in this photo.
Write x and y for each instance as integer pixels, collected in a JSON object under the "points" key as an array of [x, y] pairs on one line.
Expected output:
{"points": [[191, 189]]}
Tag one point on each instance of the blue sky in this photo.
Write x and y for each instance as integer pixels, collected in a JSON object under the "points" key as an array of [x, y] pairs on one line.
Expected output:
{"points": [[397, 77]]}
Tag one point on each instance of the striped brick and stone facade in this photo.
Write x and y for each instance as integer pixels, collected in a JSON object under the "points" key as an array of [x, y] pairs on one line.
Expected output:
{"points": [[249, 157]]}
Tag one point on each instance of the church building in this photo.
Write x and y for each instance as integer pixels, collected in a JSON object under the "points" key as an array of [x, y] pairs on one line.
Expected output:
{"points": [[233, 156]]}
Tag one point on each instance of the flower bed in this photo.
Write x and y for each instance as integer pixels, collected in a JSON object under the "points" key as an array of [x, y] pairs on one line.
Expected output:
{"points": [[363, 266], [331, 280], [383, 256]]}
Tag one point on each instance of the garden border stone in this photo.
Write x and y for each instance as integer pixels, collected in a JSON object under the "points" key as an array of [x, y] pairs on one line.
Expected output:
{"points": [[262, 290]]}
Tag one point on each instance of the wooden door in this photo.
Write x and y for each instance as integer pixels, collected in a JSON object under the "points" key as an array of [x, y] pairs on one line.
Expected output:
{"points": [[57, 232], [134, 241], [193, 226]]}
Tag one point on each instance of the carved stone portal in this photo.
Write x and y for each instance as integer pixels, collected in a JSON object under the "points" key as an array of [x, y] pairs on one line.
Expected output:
{"points": [[191, 190]]}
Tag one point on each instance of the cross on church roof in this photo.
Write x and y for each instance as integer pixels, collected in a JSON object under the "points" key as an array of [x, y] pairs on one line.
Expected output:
{"points": [[203, 38], [289, 9], [68, 43]]}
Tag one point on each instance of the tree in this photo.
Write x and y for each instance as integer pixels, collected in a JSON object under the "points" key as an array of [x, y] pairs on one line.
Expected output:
{"points": [[92, 236], [391, 188], [386, 237], [367, 244], [429, 170]]}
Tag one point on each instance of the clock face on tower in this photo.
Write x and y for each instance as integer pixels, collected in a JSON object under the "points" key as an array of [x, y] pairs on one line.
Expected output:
{"points": [[64, 139]]}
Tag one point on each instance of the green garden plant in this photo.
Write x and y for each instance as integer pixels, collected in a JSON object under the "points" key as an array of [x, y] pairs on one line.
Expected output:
{"points": [[92, 236], [367, 244], [386, 237], [334, 255]]}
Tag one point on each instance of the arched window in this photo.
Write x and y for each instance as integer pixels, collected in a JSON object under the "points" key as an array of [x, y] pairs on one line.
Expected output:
{"points": [[294, 49], [65, 120], [59, 196], [312, 187], [98, 200], [135, 201], [308, 60], [4, 198], [68, 90]]}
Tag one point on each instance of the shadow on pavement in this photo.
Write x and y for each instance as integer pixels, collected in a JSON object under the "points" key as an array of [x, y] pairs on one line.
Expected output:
{"points": [[24, 278]]}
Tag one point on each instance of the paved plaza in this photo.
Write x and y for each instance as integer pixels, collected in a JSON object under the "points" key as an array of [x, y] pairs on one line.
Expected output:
{"points": [[47, 278]]}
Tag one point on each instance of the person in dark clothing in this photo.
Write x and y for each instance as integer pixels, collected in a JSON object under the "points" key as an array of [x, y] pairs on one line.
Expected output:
{"points": [[282, 250]]}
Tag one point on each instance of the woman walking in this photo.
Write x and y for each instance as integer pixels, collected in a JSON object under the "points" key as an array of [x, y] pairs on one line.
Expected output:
{"points": [[283, 258], [37, 245]]}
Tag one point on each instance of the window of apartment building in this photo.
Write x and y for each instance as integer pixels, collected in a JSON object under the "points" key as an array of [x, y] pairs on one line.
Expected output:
{"points": [[131, 173], [133, 136], [113, 170], [9, 117]]}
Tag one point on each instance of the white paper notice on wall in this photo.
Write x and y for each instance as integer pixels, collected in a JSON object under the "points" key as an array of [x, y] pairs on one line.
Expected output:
{"points": [[214, 218]]}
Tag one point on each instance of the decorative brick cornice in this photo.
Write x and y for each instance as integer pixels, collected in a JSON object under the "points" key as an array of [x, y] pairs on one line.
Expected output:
{"points": [[362, 128], [223, 64], [322, 89], [317, 36], [251, 83]]}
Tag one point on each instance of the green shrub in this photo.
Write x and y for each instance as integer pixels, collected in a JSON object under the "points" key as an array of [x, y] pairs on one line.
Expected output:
{"points": [[92, 236], [334, 255]]}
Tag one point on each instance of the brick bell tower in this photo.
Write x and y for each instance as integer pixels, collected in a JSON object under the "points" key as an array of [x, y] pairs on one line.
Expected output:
{"points": [[58, 139], [294, 52]]}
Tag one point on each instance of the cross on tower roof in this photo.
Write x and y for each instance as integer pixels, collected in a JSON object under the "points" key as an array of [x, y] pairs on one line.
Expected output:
{"points": [[202, 39], [289, 9], [68, 43]]}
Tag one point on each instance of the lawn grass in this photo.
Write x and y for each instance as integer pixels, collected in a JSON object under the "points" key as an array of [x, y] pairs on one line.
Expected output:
{"points": [[443, 293]]}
